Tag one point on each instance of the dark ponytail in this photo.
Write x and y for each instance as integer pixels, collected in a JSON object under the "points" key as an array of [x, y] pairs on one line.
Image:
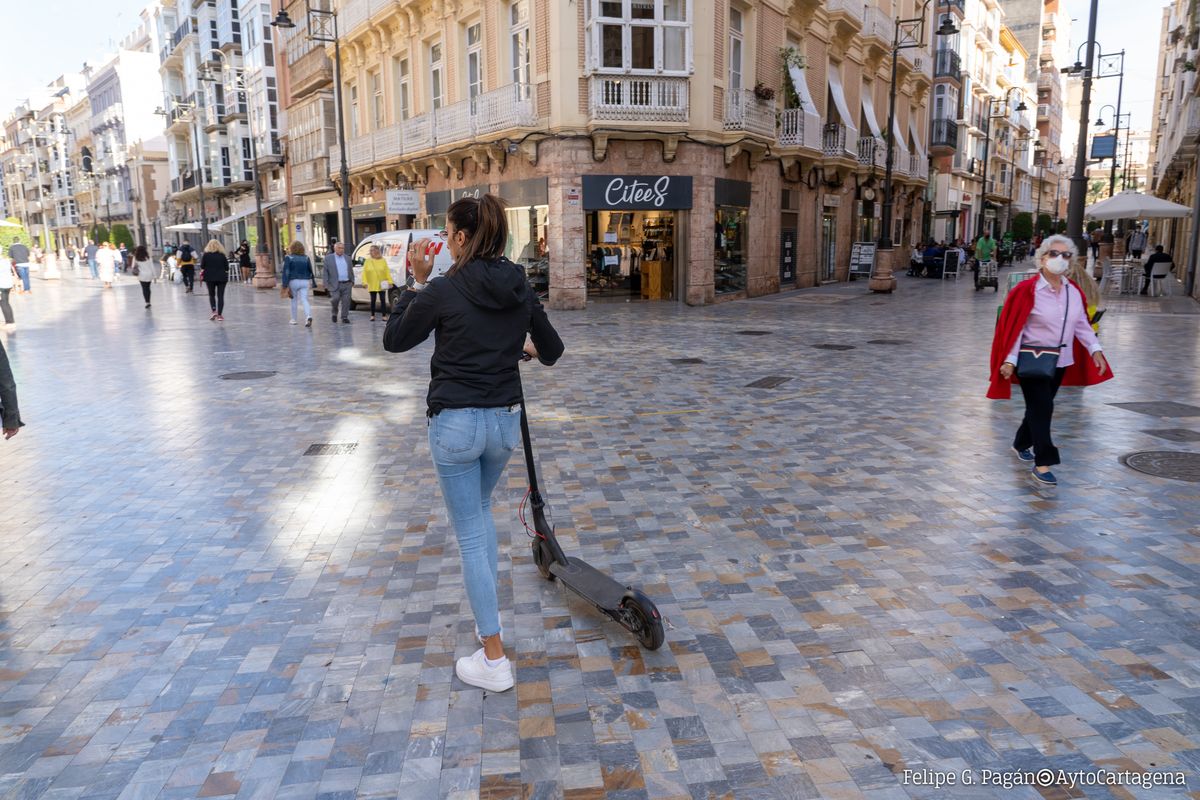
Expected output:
{"points": [[485, 225]]}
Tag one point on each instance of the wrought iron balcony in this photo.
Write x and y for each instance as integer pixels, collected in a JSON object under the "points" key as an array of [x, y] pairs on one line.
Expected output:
{"points": [[944, 133], [629, 98], [947, 64], [744, 111]]}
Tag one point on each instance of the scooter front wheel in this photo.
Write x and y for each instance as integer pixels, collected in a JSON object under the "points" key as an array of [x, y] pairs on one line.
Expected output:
{"points": [[542, 557], [640, 616]]}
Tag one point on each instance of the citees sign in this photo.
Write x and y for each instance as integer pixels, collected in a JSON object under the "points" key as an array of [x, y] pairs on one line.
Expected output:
{"points": [[637, 192]]}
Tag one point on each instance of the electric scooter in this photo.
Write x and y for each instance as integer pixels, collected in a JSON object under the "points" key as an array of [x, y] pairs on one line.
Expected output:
{"points": [[628, 607]]}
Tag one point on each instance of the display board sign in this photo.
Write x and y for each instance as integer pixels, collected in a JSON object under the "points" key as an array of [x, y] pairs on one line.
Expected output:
{"points": [[787, 256], [862, 258], [532, 192], [403, 201], [732, 193], [637, 192], [1104, 146]]}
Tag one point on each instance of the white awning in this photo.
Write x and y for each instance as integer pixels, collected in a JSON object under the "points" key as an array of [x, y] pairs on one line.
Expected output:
{"points": [[916, 137], [868, 104], [812, 118], [839, 100], [190, 227], [901, 142]]}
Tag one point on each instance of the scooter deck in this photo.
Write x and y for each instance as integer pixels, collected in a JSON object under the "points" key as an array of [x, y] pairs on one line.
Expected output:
{"points": [[589, 583]]}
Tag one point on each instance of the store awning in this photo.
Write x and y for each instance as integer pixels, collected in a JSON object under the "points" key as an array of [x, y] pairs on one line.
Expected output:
{"points": [[191, 227], [901, 142], [916, 137], [839, 100], [812, 120], [868, 104], [227, 222]]}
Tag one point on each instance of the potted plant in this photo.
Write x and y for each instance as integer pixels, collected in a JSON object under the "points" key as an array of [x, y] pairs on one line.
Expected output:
{"points": [[792, 57], [763, 92]]}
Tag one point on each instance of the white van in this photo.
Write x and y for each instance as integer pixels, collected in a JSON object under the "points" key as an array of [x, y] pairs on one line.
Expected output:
{"points": [[393, 245]]}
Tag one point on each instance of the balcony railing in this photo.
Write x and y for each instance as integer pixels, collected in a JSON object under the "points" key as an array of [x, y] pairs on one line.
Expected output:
{"points": [[877, 23], [635, 99], [852, 8], [745, 112], [310, 176], [944, 133], [833, 140], [1043, 111], [798, 129], [871, 151], [946, 5], [918, 166], [500, 110], [310, 71], [947, 64], [1045, 81]]}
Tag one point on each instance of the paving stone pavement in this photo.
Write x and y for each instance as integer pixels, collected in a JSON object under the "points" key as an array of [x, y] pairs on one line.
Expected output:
{"points": [[865, 592]]}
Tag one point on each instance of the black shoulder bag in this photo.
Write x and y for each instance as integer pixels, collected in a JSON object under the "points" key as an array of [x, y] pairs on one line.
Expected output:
{"points": [[1040, 362]]}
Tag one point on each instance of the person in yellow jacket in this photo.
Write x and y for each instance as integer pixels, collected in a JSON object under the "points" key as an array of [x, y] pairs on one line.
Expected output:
{"points": [[374, 275]]}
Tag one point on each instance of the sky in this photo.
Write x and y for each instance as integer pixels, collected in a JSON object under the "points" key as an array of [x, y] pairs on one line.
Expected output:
{"points": [[49, 37], [1133, 26]]}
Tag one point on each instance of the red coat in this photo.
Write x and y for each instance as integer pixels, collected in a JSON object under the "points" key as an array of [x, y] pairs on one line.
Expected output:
{"points": [[1017, 307]]}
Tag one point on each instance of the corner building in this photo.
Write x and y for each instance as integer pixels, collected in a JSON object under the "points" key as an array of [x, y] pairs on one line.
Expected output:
{"points": [[659, 150]]}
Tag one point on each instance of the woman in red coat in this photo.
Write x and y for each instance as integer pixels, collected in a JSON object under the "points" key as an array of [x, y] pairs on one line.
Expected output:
{"points": [[1046, 311]]}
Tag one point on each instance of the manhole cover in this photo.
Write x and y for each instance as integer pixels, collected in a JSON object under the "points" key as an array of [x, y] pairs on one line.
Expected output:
{"points": [[331, 449], [888, 341], [687, 360], [834, 346], [246, 376], [1176, 434], [769, 382], [1177, 465], [753, 333], [1165, 408]]}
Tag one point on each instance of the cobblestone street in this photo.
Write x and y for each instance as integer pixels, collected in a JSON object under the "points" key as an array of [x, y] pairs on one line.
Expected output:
{"points": [[865, 590]]}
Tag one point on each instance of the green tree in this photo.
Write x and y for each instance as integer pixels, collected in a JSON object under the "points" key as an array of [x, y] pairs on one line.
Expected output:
{"points": [[121, 233], [19, 233], [1022, 225], [99, 234], [1044, 224]]}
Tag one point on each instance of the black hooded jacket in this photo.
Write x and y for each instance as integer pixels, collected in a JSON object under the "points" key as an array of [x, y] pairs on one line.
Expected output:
{"points": [[480, 316]]}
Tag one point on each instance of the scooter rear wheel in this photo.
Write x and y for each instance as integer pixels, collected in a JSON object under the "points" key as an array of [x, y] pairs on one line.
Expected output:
{"points": [[542, 557], [642, 619]]}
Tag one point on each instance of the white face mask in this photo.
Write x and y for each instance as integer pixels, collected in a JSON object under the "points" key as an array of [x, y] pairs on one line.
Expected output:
{"points": [[1059, 264]]}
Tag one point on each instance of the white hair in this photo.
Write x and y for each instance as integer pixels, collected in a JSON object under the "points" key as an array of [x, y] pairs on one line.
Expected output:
{"points": [[1055, 242]]}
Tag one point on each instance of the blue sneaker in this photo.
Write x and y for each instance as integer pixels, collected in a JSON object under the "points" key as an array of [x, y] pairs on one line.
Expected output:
{"points": [[1045, 477], [1024, 455]]}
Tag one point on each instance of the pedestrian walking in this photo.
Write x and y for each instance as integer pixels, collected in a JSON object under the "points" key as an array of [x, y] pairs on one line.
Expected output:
{"points": [[8, 279], [143, 268], [244, 262], [89, 252], [187, 266], [1137, 243], [71, 257], [106, 259], [1043, 341], [482, 310], [123, 256], [339, 280], [214, 273], [19, 254], [10, 414], [375, 274], [297, 278]]}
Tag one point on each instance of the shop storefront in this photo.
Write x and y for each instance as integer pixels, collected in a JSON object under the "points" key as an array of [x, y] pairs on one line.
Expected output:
{"points": [[528, 211], [731, 248], [634, 229], [436, 203], [368, 218]]}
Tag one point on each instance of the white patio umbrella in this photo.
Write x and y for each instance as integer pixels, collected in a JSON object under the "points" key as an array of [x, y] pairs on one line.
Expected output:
{"points": [[1135, 205], [6, 224]]}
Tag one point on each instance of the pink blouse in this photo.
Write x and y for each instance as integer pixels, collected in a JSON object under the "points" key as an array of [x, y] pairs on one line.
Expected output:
{"points": [[1045, 322]]}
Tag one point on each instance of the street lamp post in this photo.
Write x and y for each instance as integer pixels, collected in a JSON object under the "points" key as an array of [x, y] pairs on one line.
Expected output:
{"points": [[323, 27], [987, 143], [239, 83], [1057, 193], [907, 33], [1078, 195]]}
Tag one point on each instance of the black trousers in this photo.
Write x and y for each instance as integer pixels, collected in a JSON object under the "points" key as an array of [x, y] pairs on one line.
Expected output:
{"points": [[216, 296], [189, 277], [383, 309], [5, 307], [145, 290], [1039, 410]]}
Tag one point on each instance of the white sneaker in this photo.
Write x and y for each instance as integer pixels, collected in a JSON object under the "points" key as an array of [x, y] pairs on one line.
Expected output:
{"points": [[293, 322], [475, 670], [480, 638]]}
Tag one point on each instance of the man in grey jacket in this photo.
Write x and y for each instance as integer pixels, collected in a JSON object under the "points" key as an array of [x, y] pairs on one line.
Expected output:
{"points": [[9, 412], [339, 278], [19, 254]]}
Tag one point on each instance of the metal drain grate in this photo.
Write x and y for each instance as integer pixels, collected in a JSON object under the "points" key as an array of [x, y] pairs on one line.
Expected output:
{"points": [[888, 341], [331, 449], [1164, 408], [247, 376], [1178, 465], [833, 346], [769, 382], [1176, 434], [687, 360], [753, 333]]}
